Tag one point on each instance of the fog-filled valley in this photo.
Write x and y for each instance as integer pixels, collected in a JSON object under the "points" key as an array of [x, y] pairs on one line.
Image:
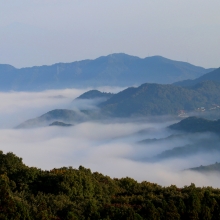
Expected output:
{"points": [[143, 148], [109, 111]]}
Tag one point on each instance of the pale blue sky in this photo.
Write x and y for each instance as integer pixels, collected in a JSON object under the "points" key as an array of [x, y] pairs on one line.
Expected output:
{"points": [[37, 32]]}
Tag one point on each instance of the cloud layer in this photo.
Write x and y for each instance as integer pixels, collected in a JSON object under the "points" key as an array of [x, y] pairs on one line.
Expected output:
{"points": [[108, 146]]}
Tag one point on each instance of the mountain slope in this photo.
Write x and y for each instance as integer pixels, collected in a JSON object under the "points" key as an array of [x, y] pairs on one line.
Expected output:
{"points": [[155, 99], [211, 76], [145, 100], [114, 69]]}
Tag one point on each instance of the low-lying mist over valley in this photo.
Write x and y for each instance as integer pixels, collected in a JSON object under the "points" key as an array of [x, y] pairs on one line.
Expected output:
{"points": [[109, 111], [144, 147]]}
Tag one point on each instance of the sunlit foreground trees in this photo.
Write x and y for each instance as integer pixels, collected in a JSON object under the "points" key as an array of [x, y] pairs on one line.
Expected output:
{"points": [[67, 193]]}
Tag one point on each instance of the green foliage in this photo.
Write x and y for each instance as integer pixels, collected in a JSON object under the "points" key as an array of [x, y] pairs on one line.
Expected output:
{"points": [[67, 193]]}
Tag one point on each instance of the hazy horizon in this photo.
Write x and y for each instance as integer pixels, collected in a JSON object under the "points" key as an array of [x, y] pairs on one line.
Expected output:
{"points": [[35, 33]]}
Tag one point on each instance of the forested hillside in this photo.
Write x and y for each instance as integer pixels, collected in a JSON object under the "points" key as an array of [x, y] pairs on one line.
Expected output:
{"points": [[68, 193], [146, 100], [157, 99]]}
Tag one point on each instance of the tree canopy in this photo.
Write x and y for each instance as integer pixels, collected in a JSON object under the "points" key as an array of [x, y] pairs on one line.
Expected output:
{"points": [[68, 193]]}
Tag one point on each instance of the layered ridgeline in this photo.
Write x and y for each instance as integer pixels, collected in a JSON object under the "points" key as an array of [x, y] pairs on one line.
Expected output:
{"points": [[114, 70], [207, 146], [67, 193], [207, 143], [211, 76], [145, 100], [192, 136]]}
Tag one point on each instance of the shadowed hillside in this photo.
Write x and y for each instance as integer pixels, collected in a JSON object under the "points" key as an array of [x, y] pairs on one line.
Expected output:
{"points": [[156, 99], [194, 124]]}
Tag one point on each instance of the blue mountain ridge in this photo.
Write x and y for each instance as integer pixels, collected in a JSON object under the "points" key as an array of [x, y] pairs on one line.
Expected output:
{"points": [[112, 70]]}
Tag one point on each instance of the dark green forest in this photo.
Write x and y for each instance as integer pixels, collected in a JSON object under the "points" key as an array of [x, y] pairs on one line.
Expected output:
{"points": [[68, 193]]}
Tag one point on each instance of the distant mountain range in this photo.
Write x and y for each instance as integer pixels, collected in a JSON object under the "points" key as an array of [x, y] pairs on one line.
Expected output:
{"points": [[113, 70], [211, 76]]}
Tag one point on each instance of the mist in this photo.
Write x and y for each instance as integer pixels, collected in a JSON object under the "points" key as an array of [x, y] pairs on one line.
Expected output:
{"points": [[17, 107], [110, 146]]}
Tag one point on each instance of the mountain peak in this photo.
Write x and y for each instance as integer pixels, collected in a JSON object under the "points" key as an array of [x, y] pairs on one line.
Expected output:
{"points": [[117, 69]]}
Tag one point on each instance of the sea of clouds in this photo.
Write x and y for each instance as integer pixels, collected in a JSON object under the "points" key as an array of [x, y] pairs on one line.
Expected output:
{"points": [[108, 146]]}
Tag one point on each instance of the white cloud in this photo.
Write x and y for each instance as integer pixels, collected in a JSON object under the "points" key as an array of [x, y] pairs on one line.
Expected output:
{"points": [[109, 146]]}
